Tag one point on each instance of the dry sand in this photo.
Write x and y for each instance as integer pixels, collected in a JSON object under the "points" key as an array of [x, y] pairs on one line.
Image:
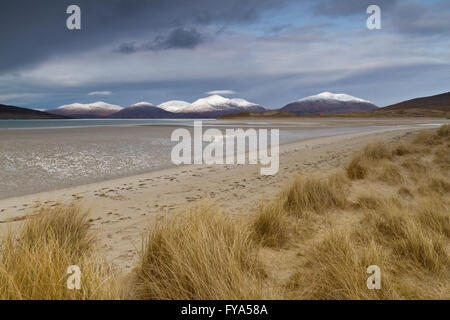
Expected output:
{"points": [[122, 208]]}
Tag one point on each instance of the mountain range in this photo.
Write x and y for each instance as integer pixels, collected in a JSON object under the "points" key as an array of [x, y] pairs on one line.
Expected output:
{"points": [[217, 106], [209, 107], [212, 107]]}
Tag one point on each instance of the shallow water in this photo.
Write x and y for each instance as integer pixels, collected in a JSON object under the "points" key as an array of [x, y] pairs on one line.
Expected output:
{"points": [[37, 160], [72, 123]]}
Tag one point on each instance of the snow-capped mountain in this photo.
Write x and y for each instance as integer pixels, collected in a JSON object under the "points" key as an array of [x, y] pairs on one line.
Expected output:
{"points": [[142, 104], [219, 103], [211, 106], [142, 110], [96, 109], [175, 106], [328, 96], [327, 102]]}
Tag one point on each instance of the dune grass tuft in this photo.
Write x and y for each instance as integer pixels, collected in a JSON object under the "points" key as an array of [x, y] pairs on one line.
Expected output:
{"points": [[425, 137], [420, 247], [337, 270], [315, 193], [434, 214], [364, 161], [414, 233], [201, 254], [271, 225], [376, 151], [401, 150], [34, 259], [444, 131], [357, 168], [442, 157], [389, 173]]}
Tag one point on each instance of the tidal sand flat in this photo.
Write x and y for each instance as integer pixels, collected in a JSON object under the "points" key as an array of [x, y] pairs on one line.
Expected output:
{"points": [[76, 152]]}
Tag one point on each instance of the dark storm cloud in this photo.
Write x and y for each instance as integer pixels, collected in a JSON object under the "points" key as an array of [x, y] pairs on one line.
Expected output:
{"points": [[279, 28], [128, 47], [178, 38], [33, 31], [269, 56]]}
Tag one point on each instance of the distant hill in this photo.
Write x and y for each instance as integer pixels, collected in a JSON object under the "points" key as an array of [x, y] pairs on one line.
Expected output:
{"points": [[327, 102], [12, 112], [437, 106], [439, 102]]}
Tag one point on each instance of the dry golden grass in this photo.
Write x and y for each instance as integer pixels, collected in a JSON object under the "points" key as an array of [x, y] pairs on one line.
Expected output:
{"points": [[407, 236], [444, 131], [407, 243], [376, 151], [336, 269], [415, 166], [390, 173], [386, 222], [315, 193], [433, 184], [358, 167], [364, 161], [425, 137], [375, 161], [442, 157], [401, 150], [433, 137], [35, 258], [422, 248], [201, 254], [368, 202], [405, 193], [433, 213], [271, 225]]}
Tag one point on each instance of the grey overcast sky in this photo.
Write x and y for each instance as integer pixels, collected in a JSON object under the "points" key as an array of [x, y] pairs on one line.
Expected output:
{"points": [[271, 52]]}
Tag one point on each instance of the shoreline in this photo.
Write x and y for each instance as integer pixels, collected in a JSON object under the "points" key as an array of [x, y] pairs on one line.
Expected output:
{"points": [[122, 208]]}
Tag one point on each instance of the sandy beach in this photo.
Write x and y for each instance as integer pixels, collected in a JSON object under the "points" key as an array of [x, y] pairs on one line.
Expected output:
{"points": [[121, 208]]}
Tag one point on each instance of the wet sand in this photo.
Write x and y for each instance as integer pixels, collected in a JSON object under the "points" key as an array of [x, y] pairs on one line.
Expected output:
{"points": [[39, 160]]}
